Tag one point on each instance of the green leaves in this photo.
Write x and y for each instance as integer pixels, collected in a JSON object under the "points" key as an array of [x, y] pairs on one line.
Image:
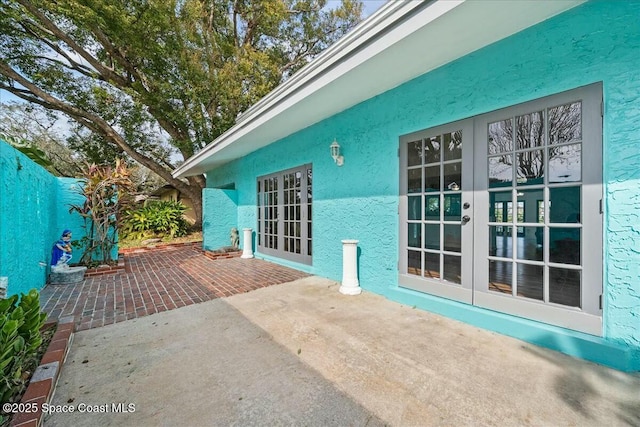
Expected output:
{"points": [[162, 217], [106, 191], [159, 79], [20, 337], [34, 153]]}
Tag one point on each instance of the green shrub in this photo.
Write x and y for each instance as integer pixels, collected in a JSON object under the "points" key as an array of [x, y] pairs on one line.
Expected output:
{"points": [[163, 218], [20, 337]]}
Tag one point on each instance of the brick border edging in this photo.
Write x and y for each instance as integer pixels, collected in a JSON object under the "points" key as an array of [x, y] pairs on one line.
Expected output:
{"points": [[112, 269], [221, 255], [45, 377]]}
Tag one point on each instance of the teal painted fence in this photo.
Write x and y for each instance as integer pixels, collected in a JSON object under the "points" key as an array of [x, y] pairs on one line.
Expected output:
{"points": [[597, 41], [34, 209]]}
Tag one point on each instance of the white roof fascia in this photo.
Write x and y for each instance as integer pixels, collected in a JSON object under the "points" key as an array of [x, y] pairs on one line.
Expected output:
{"points": [[337, 78], [390, 11]]}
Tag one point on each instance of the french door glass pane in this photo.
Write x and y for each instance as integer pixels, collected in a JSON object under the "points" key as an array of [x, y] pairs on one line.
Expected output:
{"points": [[414, 180], [501, 276], [432, 150], [452, 238], [530, 281], [565, 163], [453, 176], [530, 130], [452, 145], [564, 286], [414, 153], [452, 207], [499, 205], [530, 169], [432, 178], [564, 245], [565, 123], [531, 244], [414, 235], [414, 263], [432, 236], [452, 269], [500, 171], [414, 210], [500, 241], [564, 205], [500, 136], [432, 207], [432, 265]]}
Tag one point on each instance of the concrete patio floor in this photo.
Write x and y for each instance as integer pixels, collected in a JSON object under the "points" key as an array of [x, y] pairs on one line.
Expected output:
{"points": [[300, 353]]}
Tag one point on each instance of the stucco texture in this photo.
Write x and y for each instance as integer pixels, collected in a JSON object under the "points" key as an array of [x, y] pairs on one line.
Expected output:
{"points": [[34, 210], [222, 209], [597, 41]]}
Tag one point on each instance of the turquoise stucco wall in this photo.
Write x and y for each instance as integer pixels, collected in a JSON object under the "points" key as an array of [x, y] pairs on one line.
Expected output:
{"points": [[34, 209], [222, 214], [68, 193], [27, 220], [597, 41]]}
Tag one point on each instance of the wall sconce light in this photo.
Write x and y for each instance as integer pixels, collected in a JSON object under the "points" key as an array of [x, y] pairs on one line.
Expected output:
{"points": [[335, 153]]}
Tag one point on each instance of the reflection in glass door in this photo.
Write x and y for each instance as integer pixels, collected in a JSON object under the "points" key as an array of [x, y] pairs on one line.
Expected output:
{"points": [[533, 157], [437, 211], [529, 164], [497, 210]]}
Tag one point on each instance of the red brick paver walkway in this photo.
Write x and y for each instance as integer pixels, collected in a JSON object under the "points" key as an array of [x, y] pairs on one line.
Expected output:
{"points": [[157, 281]]}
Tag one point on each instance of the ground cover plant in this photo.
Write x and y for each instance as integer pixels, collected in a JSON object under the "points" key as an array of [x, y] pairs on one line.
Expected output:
{"points": [[21, 345], [158, 218]]}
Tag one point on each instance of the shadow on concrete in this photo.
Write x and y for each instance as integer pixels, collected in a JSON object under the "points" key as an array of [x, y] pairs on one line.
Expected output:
{"points": [[202, 365], [576, 383]]}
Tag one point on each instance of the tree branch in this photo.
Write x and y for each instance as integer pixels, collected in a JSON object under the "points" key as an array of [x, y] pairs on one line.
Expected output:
{"points": [[90, 121], [107, 73]]}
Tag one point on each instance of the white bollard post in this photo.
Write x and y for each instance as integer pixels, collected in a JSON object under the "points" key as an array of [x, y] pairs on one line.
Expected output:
{"points": [[350, 284], [247, 248]]}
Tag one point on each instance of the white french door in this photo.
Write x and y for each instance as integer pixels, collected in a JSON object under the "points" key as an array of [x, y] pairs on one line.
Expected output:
{"points": [[498, 210], [284, 201], [436, 208]]}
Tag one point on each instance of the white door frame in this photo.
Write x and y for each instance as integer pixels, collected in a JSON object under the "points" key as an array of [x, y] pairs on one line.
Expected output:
{"points": [[475, 234]]}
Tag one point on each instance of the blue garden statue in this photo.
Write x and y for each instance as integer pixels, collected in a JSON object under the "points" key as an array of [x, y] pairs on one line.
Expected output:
{"points": [[61, 252]]}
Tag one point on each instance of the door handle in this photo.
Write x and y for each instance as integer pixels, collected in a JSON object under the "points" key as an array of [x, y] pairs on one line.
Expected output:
{"points": [[466, 219]]}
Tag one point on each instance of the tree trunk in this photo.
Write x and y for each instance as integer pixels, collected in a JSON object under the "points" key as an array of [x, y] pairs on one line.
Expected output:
{"points": [[197, 210]]}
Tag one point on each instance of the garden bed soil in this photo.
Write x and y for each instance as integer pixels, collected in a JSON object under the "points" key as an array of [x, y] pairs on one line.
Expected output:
{"points": [[194, 237], [156, 246]]}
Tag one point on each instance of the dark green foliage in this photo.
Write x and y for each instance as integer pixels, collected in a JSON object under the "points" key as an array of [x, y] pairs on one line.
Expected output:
{"points": [[32, 152], [20, 337], [160, 218], [159, 79]]}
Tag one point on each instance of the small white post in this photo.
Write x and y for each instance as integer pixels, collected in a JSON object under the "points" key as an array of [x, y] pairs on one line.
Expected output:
{"points": [[350, 284], [247, 244], [4, 285]]}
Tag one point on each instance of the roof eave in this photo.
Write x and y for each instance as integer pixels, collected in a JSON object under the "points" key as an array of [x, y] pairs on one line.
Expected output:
{"points": [[337, 79]]}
